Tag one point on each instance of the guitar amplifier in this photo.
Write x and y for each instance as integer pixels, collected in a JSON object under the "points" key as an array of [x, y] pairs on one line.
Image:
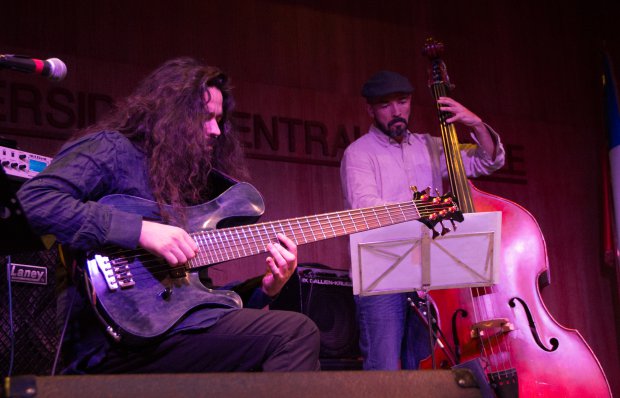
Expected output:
{"points": [[29, 333], [31, 328], [325, 295]]}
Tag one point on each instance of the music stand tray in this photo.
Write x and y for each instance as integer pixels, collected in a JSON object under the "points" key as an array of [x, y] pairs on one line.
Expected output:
{"points": [[404, 257]]}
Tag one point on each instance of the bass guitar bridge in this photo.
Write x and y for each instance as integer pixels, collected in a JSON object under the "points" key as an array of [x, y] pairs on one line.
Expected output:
{"points": [[115, 272]]}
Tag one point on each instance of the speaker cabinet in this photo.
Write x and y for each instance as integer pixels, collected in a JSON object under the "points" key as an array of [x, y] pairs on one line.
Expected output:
{"points": [[31, 300], [326, 296]]}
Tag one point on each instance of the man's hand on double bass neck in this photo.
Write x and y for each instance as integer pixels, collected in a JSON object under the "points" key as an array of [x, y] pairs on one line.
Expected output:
{"points": [[464, 116]]}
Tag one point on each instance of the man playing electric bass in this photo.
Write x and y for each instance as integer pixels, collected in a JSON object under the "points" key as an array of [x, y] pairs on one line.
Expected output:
{"points": [[169, 142]]}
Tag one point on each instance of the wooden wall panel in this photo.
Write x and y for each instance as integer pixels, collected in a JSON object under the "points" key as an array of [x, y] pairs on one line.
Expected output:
{"points": [[531, 70]]}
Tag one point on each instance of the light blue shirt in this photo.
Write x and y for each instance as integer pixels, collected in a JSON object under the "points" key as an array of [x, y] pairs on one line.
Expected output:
{"points": [[376, 170]]}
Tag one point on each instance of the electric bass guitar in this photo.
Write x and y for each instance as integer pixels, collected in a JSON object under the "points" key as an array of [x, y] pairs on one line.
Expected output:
{"points": [[139, 297]]}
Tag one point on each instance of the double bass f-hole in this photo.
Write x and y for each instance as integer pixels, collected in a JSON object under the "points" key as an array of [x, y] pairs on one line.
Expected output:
{"points": [[530, 319]]}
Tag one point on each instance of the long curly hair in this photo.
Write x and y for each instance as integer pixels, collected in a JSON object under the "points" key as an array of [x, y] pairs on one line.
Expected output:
{"points": [[165, 116]]}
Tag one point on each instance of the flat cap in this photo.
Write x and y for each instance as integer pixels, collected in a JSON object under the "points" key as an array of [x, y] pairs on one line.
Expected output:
{"points": [[384, 83]]}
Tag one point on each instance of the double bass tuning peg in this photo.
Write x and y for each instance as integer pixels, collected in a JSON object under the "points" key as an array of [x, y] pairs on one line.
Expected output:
{"points": [[453, 224], [444, 229]]}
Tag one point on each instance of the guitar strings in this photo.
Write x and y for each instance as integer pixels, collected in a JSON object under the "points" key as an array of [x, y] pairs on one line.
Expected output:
{"points": [[308, 224], [266, 232], [260, 233]]}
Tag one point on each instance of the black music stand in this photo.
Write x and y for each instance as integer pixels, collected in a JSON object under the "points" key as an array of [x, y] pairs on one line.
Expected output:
{"points": [[15, 233]]}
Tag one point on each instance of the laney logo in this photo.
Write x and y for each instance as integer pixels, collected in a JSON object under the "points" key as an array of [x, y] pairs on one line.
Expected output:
{"points": [[28, 274]]}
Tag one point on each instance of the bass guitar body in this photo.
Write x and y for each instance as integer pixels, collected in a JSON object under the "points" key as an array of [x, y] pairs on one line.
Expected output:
{"points": [[507, 329]]}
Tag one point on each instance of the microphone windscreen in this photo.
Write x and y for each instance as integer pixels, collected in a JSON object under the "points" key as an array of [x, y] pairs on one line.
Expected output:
{"points": [[58, 69]]}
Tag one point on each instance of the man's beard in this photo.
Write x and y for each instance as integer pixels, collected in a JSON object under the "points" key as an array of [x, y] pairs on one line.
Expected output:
{"points": [[392, 131], [211, 142]]}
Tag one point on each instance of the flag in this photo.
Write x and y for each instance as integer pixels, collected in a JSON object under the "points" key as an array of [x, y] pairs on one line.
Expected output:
{"points": [[612, 118]]}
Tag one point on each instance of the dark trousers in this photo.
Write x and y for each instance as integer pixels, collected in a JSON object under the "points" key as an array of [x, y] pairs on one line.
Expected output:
{"points": [[243, 340]]}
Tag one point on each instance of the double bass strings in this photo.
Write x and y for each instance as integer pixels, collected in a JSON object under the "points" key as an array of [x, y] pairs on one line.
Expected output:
{"points": [[480, 297]]}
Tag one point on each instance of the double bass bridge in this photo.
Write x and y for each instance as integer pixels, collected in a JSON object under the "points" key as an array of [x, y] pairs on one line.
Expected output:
{"points": [[491, 328]]}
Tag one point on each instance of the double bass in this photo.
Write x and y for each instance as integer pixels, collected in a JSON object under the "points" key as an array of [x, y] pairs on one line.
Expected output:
{"points": [[504, 330]]}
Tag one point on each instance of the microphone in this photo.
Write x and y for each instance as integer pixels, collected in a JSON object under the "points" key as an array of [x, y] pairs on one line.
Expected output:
{"points": [[53, 68]]}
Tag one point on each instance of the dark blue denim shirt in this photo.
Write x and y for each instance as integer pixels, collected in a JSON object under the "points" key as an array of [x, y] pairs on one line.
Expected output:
{"points": [[63, 201]]}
